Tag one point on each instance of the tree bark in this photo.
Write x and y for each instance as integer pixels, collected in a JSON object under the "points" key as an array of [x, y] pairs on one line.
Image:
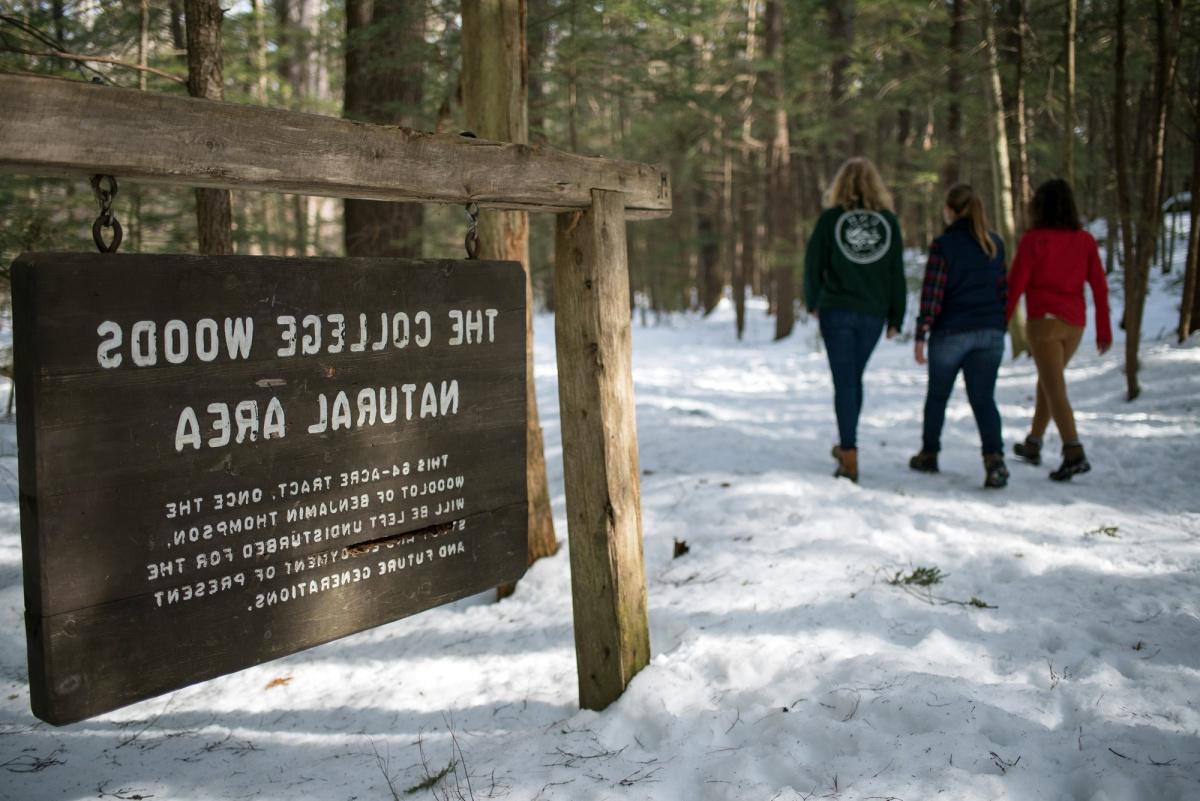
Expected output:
{"points": [[781, 215], [214, 215], [495, 90], [1189, 307], [1167, 27], [385, 69], [1001, 168]]}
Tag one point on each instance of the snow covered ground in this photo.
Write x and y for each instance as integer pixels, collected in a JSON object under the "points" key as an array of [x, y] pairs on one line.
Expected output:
{"points": [[785, 665]]}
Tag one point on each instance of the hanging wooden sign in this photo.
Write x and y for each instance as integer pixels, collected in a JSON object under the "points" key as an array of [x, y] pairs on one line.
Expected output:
{"points": [[225, 460]]}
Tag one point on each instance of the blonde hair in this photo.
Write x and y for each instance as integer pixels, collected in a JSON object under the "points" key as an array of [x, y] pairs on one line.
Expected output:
{"points": [[962, 200], [858, 185]]}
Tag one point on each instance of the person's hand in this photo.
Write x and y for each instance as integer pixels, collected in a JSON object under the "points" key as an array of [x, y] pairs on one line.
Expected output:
{"points": [[919, 351], [1103, 347], [892, 331]]}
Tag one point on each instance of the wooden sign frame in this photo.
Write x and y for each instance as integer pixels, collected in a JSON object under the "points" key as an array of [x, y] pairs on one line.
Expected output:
{"points": [[180, 141], [224, 460]]}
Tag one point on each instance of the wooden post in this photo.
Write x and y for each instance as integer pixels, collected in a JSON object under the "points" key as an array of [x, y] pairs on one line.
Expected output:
{"points": [[600, 456], [494, 88]]}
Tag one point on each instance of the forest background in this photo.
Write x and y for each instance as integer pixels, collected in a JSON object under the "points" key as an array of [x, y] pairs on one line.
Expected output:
{"points": [[750, 105]]}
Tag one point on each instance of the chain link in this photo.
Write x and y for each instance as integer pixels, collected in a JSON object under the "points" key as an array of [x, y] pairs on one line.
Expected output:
{"points": [[106, 219]]}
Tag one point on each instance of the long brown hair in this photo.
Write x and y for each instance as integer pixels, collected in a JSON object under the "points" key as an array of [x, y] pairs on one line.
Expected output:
{"points": [[858, 185], [962, 200]]}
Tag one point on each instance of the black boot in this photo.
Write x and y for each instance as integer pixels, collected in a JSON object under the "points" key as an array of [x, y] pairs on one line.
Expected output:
{"points": [[1030, 450], [924, 462], [1074, 462], [995, 471]]}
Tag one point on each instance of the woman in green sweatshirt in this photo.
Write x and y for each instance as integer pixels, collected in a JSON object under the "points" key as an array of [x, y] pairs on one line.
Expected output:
{"points": [[854, 282]]}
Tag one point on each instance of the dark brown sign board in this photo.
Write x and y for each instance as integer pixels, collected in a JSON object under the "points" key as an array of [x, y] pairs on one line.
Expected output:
{"points": [[224, 460]]}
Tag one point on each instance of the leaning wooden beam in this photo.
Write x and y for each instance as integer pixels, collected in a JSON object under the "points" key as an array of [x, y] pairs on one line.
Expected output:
{"points": [[600, 453], [51, 126]]}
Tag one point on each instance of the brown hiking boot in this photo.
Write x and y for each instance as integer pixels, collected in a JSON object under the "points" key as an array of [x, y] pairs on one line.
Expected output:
{"points": [[847, 459]]}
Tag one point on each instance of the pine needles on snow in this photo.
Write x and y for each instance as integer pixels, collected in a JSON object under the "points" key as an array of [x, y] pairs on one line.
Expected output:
{"points": [[919, 577]]}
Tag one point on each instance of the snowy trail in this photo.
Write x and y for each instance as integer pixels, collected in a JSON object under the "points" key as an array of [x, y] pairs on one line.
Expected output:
{"points": [[785, 665]]}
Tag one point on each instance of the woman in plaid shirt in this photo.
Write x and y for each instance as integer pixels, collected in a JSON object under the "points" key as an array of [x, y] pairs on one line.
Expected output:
{"points": [[962, 316]]}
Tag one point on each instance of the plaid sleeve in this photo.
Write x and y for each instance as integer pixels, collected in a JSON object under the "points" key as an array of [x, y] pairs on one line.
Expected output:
{"points": [[932, 290], [1002, 283]]}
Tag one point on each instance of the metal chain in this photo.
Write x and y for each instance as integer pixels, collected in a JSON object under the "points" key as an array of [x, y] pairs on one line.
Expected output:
{"points": [[472, 241], [104, 196]]}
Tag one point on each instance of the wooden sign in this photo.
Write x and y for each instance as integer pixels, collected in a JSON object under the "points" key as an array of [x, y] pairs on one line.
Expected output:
{"points": [[226, 460]]}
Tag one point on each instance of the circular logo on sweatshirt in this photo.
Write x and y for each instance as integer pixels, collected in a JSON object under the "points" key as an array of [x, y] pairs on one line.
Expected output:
{"points": [[862, 235]]}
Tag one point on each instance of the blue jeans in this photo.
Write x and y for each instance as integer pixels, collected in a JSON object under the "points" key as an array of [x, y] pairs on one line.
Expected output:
{"points": [[850, 337], [978, 354]]}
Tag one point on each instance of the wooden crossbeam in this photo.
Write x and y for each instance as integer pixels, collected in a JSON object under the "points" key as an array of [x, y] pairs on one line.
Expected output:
{"points": [[51, 126]]}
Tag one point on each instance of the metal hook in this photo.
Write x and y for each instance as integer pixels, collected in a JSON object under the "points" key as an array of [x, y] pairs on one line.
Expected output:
{"points": [[472, 240]]}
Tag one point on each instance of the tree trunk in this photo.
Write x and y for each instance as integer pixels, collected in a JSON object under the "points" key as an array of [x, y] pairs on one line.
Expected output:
{"points": [[385, 68], [728, 246], [747, 184], [1189, 307], [267, 201], [952, 164], [143, 50], [781, 216], [1167, 28], [744, 250], [178, 35], [1120, 149], [1001, 168], [495, 90], [538, 26], [214, 215], [1022, 191], [710, 280], [1069, 99], [573, 83], [143, 55], [841, 33]]}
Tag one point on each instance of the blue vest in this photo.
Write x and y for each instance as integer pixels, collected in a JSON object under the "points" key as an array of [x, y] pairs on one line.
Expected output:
{"points": [[976, 286]]}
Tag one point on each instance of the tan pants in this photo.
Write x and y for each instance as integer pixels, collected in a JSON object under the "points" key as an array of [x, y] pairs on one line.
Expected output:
{"points": [[1052, 343]]}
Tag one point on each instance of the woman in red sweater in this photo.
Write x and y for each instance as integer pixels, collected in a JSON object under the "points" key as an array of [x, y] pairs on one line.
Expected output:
{"points": [[1054, 260]]}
